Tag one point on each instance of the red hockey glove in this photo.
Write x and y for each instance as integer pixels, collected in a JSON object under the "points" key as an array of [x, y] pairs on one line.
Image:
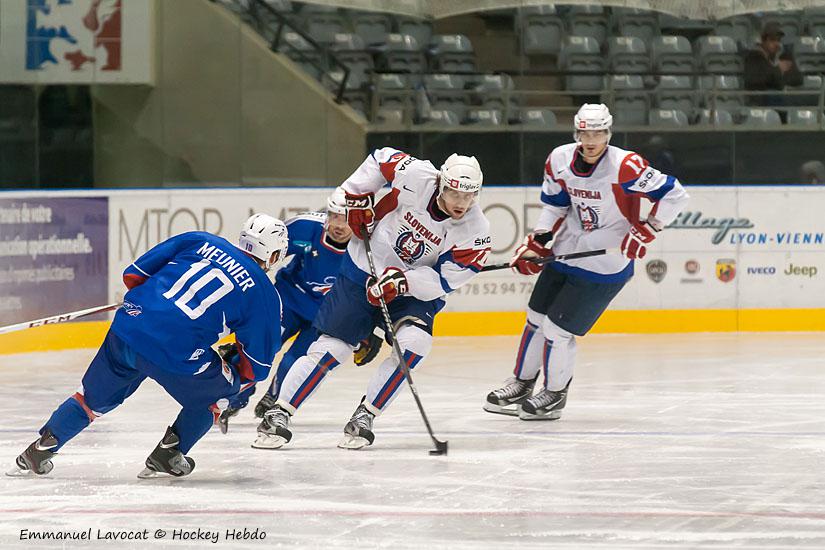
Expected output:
{"points": [[360, 213], [533, 248], [390, 285], [634, 244]]}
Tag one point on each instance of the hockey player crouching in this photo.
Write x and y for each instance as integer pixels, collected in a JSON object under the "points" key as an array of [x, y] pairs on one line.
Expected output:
{"points": [[317, 243], [183, 293], [428, 238], [591, 200]]}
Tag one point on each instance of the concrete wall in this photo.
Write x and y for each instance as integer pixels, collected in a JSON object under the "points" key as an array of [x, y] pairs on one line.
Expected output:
{"points": [[224, 110]]}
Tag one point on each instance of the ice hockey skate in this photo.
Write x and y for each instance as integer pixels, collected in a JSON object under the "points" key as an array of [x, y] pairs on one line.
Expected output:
{"points": [[36, 459], [273, 431], [545, 405], [507, 399], [265, 404], [167, 459], [358, 431]]}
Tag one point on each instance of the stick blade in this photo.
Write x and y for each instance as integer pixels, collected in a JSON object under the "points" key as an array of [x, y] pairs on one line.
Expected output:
{"points": [[440, 448]]}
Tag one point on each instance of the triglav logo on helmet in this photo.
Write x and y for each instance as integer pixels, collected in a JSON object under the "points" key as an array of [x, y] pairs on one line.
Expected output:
{"points": [[656, 270], [464, 186]]}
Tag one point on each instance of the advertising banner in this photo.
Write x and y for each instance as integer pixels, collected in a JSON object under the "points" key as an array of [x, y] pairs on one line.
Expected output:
{"points": [[732, 247], [53, 256], [76, 41]]}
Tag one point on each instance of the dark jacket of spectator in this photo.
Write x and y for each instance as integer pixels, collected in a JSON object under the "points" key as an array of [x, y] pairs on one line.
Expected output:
{"points": [[766, 68]]}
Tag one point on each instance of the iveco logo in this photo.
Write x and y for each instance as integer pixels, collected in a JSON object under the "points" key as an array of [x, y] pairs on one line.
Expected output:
{"points": [[762, 270], [656, 270]]}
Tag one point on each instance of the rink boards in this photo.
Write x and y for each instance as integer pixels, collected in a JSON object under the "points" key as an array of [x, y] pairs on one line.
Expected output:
{"points": [[738, 258]]}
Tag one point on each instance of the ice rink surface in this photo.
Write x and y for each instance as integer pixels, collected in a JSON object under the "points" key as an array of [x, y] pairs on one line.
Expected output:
{"points": [[694, 441]]}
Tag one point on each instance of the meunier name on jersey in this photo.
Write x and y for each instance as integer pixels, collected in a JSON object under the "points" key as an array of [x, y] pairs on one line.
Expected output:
{"points": [[228, 264]]}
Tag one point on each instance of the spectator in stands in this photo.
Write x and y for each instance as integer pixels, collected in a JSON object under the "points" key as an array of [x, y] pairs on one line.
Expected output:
{"points": [[812, 172], [769, 68]]}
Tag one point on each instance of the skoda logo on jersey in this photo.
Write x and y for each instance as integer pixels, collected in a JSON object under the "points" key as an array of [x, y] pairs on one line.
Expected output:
{"points": [[589, 217], [408, 248], [656, 270], [132, 309]]}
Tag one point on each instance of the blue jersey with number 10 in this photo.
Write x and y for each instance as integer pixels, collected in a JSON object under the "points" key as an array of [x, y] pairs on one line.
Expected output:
{"points": [[188, 292]]}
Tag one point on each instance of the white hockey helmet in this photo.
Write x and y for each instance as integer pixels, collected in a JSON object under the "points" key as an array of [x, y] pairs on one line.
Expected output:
{"points": [[592, 117], [261, 236], [461, 173], [337, 202]]}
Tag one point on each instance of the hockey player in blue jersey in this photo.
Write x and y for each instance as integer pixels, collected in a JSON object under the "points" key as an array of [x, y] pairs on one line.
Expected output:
{"points": [[184, 294], [317, 244]]}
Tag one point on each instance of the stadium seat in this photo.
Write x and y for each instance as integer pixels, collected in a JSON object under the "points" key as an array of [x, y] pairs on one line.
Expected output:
{"points": [[668, 118], [721, 91], [630, 101], [492, 91], [373, 28], [672, 55], [442, 117], [581, 53], [541, 30], [402, 54], [681, 26], [538, 118], [812, 82], [451, 53], [676, 92], [802, 117], [386, 115], [718, 54], [809, 53], [815, 21], [283, 6], [392, 91], [642, 24], [588, 21], [322, 23], [758, 118], [627, 54], [421, 29], [349, 49], [719, 117], [739, 28], [446, 91], [484, 117], [296, 48]]}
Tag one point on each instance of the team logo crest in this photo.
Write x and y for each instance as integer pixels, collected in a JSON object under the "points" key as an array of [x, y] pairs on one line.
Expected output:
{"points": [[726, 270], [322, 288], [589, 217], [656, 270], [408, 248], [132, 309]]}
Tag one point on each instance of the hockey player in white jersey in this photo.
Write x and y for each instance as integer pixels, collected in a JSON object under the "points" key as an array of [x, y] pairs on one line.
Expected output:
{"points": [[591, 200], [428, 238]]}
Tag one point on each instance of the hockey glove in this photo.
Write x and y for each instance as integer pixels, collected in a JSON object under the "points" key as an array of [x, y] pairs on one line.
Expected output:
{"points": [[236, 403], [533, 248], [634, 244], [360, 213], [367, 349], [390, 285]]}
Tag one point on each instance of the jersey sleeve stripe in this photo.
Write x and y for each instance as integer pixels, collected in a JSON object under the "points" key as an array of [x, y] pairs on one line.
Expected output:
{"points": [[139, 269], [664, 189], [559, 199]]}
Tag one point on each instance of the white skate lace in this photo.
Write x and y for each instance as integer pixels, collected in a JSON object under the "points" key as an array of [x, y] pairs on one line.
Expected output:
{"points": [[276, 418], [512, 387]]}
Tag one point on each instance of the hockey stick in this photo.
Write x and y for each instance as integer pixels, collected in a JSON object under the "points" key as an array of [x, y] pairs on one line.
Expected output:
{"points": [[440, 446], [61, 318], [548, 259]]}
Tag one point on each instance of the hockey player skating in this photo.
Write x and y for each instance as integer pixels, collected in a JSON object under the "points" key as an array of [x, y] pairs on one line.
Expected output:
{"points": [[591, 196], [428, 237], [184, 294], [317, 243]]}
